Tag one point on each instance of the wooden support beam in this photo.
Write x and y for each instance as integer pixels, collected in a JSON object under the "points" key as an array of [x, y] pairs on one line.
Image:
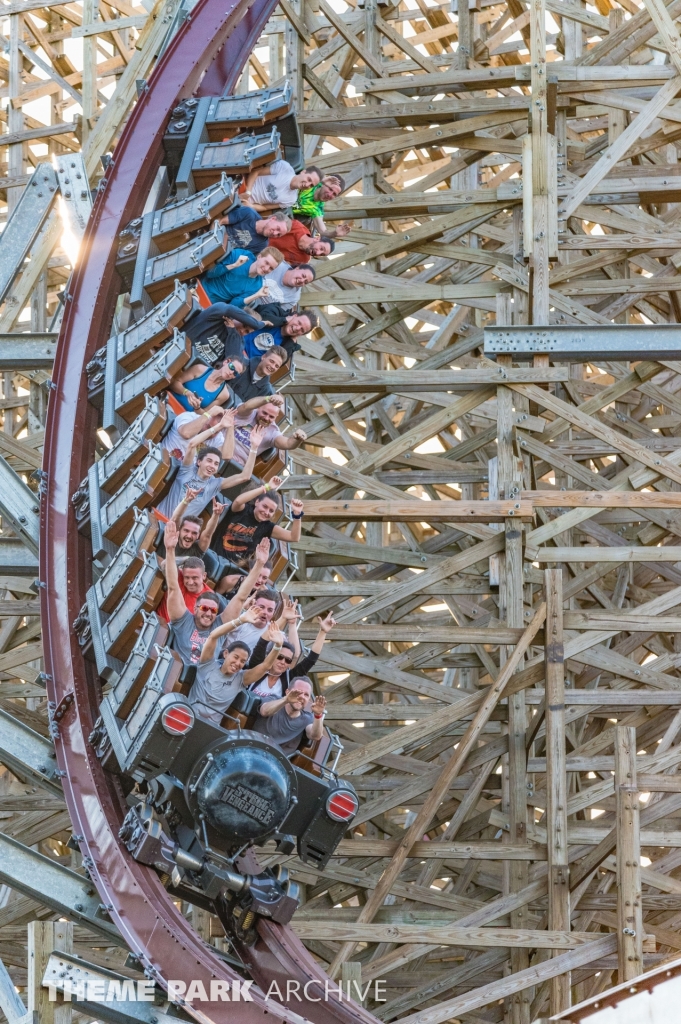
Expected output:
{"points": [[443, 850], [416, 511], [45, 938], [556, 779], [629, 908], [297, 23], [10, 1000], [480, 938], [377, 382], [602, 499], [590, 553]]}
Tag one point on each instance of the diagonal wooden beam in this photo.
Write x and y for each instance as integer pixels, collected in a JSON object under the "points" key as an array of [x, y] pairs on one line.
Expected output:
{"points": [[449, 567], [620, 147], [449, 773], [405, 45], [403, 240], [498, 990], [151, 36], [667, 29], [349, 36], [658, 463]]}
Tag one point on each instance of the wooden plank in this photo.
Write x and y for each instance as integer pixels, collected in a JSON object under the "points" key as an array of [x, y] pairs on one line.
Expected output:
{"points": [[376, 382], [591, 553], [395, 205], [480, 938], [416, 511], [297, 23], [400, 293], [556, 779], [604, 697], [369, 588], [659, 783], [635, 621], [629, 910], [603, 499], [32, 134], [620, 240], [114, 25], [24, 6], [642, 286], [440, 850], [45, 938], [504, 76], [19, 608], [423, 634]]}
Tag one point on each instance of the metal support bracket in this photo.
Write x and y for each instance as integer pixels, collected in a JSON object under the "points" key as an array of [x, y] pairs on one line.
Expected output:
{"points": [[65, 891], [28, 754], [25, 223], [582, 342]]}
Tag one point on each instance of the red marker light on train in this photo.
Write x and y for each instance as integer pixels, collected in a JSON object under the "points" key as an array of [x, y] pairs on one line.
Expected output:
{"points": [[342, 805], [178, 719]]}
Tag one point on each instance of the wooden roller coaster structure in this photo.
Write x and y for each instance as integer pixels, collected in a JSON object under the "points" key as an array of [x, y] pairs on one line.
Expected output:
{"points": [[207, 53]]}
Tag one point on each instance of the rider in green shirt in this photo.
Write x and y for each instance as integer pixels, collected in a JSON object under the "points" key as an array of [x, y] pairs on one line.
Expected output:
{"points": [[309, 209]]}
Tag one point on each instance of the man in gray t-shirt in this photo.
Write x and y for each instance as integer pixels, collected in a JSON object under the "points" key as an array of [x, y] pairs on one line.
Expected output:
{"points": [[196, 482], [286, 719], [198, 491], [190, 632]]}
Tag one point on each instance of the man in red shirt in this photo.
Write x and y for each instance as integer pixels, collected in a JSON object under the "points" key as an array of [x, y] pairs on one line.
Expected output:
{"points": [[192, 578], [298, 244]]}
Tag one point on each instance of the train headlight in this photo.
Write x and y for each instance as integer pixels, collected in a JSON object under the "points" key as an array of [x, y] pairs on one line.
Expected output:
{"points": [[342, 805], [177, 719]]}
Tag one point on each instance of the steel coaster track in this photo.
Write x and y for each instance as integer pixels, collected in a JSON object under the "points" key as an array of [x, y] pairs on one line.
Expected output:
{"points": [[205, 57]]}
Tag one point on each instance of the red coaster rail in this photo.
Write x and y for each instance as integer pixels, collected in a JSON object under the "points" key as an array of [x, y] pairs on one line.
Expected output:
{"points": [[206, 56]]}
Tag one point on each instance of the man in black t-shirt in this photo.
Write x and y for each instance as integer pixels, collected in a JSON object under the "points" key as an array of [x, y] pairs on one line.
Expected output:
{"points": [[189, 531], [213, 333], [278, 679], [255, 380], [249, 520]]}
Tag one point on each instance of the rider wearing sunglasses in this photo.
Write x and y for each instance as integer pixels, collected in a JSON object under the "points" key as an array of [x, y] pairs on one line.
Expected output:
{"points": [[279, 676], [191, 631], [201, 386]]}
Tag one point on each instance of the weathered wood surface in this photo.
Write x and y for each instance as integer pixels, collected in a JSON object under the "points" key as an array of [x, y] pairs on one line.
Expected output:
{"points": [[414, 511]]}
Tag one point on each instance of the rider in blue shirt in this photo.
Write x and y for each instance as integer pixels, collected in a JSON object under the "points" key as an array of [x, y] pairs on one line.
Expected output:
{"points": [[289, 327], [240, 282]]}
